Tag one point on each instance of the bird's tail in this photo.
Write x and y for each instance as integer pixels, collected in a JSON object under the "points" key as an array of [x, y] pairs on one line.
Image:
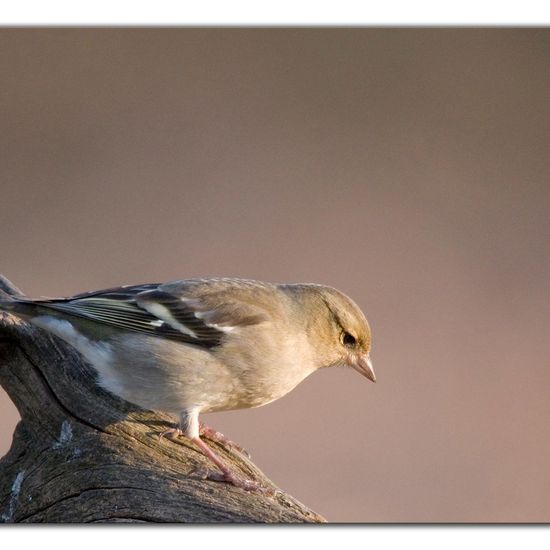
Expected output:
{"points": [[19, 306], [14, 301]]}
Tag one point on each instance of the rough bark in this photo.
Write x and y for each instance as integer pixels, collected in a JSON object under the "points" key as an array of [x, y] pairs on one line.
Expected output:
{"points": [[79, 454]]}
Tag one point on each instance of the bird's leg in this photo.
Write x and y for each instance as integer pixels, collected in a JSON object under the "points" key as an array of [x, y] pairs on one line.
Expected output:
{"points": [[189, 427], [218, 437]]}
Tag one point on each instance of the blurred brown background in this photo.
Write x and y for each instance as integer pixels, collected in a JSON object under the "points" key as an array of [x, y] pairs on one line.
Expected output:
{"points": [[407, 167]]}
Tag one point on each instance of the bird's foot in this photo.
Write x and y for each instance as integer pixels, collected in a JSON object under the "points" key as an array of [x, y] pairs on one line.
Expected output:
{"points": [[237, 481], [218, 437], [226, 474]]}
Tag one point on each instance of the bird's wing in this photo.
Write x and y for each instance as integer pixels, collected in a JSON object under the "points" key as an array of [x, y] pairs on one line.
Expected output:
{"points": [[187, 315], [224, 304]]}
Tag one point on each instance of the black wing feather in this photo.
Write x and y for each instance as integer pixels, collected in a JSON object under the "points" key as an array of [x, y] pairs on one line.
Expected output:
{"points": [[120, 307]]}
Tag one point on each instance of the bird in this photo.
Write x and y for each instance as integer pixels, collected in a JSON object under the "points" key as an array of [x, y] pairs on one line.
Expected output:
{"points": [[201, 345]]}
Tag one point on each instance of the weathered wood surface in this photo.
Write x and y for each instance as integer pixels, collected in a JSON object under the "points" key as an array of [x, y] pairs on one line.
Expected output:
{"points": [[79, 454]]}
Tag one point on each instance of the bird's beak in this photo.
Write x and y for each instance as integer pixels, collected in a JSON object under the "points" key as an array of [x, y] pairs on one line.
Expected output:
{"points": [[363, 365]]}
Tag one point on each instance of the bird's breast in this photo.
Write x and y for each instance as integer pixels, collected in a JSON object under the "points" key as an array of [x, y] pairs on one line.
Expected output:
{"points": [[263, 374]]}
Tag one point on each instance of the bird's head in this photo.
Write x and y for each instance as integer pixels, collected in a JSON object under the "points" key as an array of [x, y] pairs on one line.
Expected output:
{"points": [[338, 330]]}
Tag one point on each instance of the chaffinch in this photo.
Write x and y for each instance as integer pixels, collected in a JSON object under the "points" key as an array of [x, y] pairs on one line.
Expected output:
{"points": [[204, 345]]}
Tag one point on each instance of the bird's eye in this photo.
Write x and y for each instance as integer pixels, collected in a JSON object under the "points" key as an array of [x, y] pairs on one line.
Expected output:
{"points": [[348, 340]]}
